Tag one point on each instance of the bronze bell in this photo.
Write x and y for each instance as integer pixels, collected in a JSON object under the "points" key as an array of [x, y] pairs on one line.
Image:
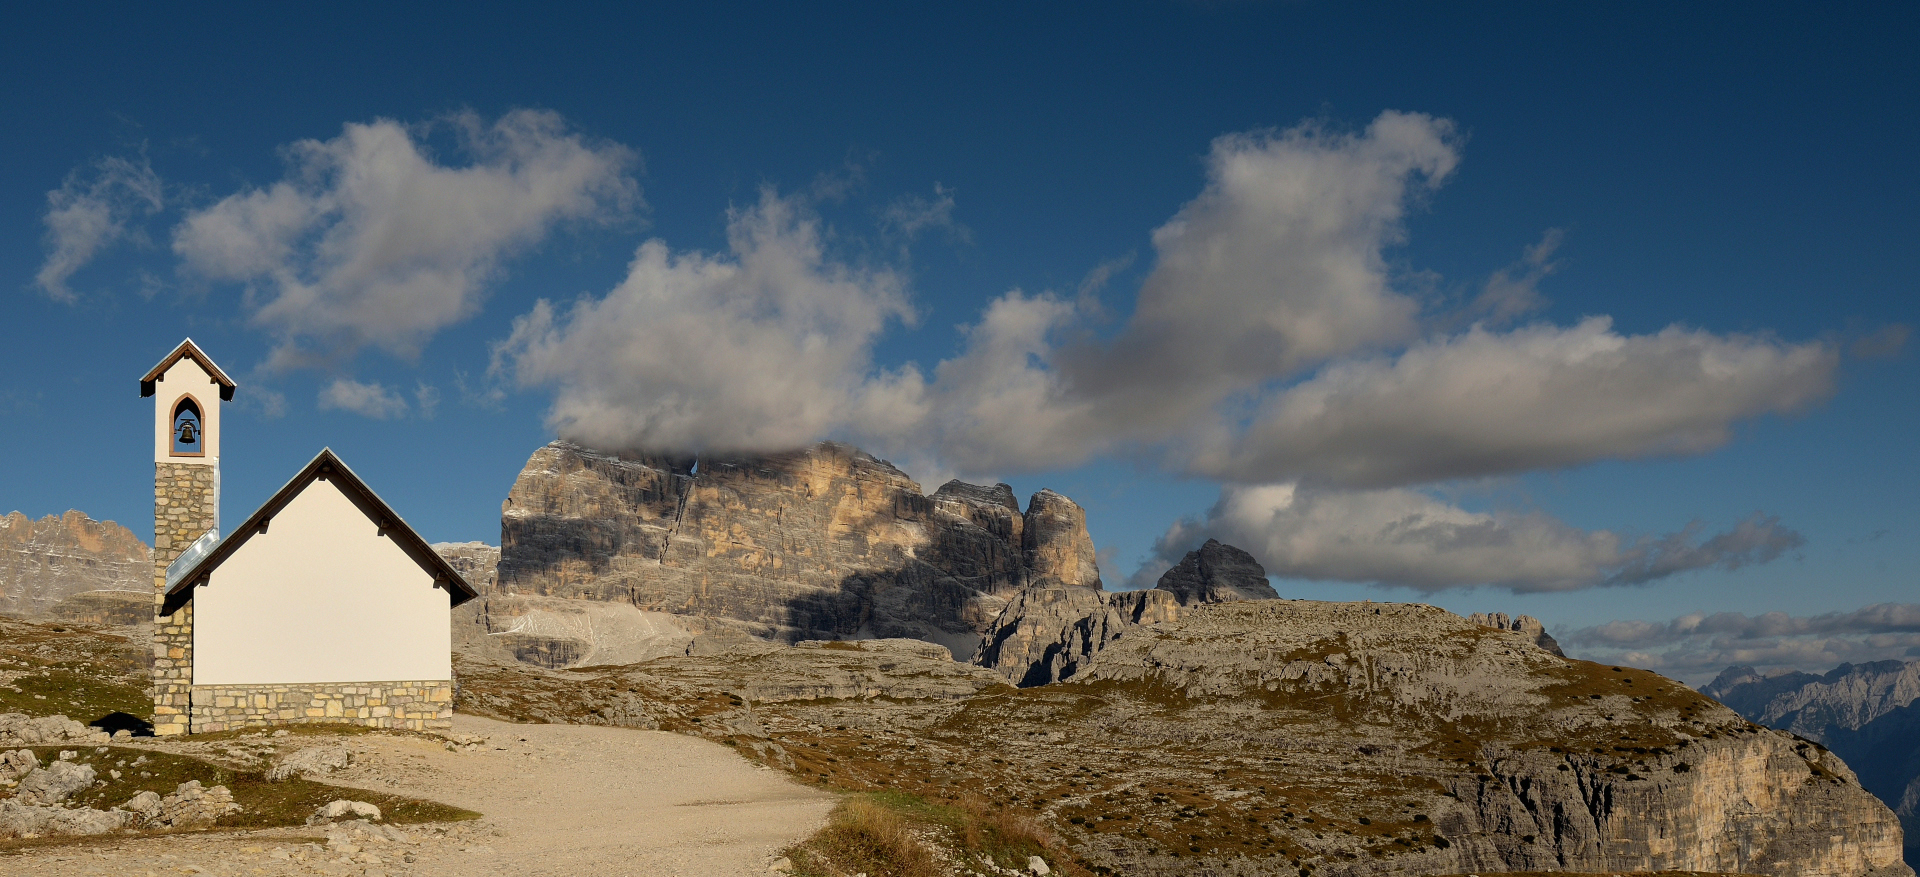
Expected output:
{"points": [[186, 432]]}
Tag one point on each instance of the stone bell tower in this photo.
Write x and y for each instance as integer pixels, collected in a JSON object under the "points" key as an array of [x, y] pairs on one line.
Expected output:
{"points": [[187, 389]]}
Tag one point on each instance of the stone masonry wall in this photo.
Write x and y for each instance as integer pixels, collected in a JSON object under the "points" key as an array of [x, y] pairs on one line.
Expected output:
{"points": [[416, 706], [186, 503]]}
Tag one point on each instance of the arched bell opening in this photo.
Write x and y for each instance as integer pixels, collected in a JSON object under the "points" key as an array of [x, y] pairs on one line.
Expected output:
{"points": [[189, 429]]}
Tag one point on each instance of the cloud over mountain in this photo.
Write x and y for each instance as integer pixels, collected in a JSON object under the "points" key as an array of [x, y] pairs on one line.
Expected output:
{"points": [[1406, 537], [1700, 643], [370, 241]]}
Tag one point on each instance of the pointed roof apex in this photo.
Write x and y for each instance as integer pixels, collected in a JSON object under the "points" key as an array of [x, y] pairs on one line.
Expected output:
{"points": [[188, 349], [325, 466]]}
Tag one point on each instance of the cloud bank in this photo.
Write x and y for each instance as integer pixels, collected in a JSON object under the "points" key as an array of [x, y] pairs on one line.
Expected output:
{"points": [[1272, 346], [369, 241], [1698, 645], [1408, 538], [767, 346], [91, 211], [1269, 348]]}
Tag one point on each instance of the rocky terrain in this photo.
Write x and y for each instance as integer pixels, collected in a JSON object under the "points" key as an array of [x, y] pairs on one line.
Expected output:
{"points": [[1273, 737], [1866, 713], [825, 543], [75, 568]]}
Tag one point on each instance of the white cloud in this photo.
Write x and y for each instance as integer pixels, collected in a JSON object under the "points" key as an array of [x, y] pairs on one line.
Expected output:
{"points": [[1515, 289], [427, 396], [1539, 397], [1277, 265], [1698, 645], [910, 215], [90, 212], [369, 240], [367, 400], [765, 347], [1408, 538]]}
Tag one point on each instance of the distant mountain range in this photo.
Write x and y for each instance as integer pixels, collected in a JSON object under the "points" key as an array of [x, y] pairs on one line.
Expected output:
{"points": [[1866, 713]]}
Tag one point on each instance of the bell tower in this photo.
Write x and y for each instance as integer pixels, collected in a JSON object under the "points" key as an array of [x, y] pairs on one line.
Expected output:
{"points": [[187, 389]]}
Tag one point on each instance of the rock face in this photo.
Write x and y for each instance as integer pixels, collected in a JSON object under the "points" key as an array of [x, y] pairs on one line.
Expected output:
{"points": [[1866, 713], [1217, 573], [1045, 634], [1525, 625], [1642, 774], [825, 543], [477, 562], [45, 562]]}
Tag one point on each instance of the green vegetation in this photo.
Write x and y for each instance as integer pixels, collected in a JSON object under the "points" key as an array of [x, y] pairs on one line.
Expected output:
{"points": [[264, 804], [884, 834], [54, 669]]}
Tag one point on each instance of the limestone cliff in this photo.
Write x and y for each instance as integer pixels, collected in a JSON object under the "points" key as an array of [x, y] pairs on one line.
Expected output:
{"points": [[1046, 633], [58, 558], [1540, 762], [822, 543], [1867, 713]]}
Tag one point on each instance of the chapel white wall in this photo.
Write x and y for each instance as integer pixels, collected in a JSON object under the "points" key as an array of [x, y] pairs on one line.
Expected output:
{"points": [[320, 598]]}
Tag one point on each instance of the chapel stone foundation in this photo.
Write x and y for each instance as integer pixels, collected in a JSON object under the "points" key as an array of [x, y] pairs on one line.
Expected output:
{"points": [[413, 706]]}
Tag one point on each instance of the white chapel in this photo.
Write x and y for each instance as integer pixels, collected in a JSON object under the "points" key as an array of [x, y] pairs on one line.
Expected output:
{"points": [[322, 606]]}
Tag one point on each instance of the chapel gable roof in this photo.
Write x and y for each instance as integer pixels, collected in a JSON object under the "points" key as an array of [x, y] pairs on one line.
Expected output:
{"points": [[324, 467], [188, 350]]}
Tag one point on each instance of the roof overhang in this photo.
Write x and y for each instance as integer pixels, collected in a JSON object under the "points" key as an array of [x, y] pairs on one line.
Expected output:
{"points": [[188, 350], [324, 467]]}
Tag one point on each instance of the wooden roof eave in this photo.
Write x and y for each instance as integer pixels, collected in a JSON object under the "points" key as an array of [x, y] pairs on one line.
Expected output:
{"points": [[187, 350], [326, 466]]}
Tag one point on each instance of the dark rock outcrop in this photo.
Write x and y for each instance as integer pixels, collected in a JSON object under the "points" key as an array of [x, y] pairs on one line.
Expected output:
{"points": [[1525, 625], [1217, 573], [1868, 714], [1046, 633], [57, 558], [823, 543]]}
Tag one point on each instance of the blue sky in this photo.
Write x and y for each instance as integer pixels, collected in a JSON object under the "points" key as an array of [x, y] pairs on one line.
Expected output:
{"points": [[1324, 280]]}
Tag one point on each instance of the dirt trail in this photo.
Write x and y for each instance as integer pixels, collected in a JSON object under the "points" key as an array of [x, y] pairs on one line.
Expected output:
{"points": [[558, 799]]}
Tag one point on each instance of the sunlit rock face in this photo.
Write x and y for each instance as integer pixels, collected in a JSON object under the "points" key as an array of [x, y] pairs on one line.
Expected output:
{"points": [[822, 543], [1868, 713], [96, 564]]}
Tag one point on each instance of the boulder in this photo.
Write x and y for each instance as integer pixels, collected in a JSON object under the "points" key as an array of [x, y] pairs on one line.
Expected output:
{"points": [[16, 764], [194, 806], [40, 820], [19, 729], [53, 784], [311, 761], [337, 810], [144, 806]]}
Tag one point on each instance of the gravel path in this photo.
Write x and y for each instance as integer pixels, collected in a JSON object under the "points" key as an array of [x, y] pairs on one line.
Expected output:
{"points": [[558, 799]]}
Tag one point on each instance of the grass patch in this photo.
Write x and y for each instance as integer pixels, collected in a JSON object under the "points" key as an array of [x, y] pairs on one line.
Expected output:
{"points": [[880, 833], [864, 836], [58, 669], [264, 804]]}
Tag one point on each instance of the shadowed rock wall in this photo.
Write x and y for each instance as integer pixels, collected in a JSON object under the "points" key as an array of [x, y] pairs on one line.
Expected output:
{"points": [[823, 543]]}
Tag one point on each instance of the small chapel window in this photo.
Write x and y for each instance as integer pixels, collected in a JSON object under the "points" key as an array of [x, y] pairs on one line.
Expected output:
{"points": [[189, 434]]}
